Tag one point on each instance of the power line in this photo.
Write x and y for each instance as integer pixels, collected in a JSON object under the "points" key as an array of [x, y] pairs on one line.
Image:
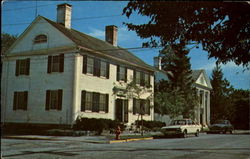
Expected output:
{"points": [[6, 10], [73, 19]]}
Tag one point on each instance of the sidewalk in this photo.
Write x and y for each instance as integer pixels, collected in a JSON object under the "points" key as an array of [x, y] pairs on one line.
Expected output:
{"points": [[107, 139]]}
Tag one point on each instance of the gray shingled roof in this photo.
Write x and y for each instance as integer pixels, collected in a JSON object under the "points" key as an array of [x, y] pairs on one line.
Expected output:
{"points": [[104, 47]]}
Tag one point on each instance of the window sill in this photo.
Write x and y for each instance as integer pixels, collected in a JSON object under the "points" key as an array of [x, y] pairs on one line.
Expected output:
{"points": [[89, 111]]}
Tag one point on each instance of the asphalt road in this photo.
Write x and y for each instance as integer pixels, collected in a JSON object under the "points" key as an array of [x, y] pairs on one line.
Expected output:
{"points": [[211, 146]]}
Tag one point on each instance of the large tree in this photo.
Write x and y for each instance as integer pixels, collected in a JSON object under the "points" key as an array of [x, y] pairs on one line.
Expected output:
{"points": [[221, 103], [178, 90], [240, 99], [223, 28]]}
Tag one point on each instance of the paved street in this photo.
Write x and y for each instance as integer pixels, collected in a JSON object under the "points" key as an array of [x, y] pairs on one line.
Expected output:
{"points": [[212, 146]]}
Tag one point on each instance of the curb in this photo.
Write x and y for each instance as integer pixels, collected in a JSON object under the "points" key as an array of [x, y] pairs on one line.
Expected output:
{"points": [[88, 141], [128, 140]]}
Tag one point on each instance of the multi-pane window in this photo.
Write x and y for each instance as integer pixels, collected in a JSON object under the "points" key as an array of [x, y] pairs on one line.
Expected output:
{"points": [[141, 106], [95, 102], [20, 100], [88, 101], [147, 79], [90, 65], [22, 67], [54, 99], [95, 66], [121, 73], [138, 77], [142, 78], [56, 63], [102, 104], [103, 69], [40, 39], [136, 106]]}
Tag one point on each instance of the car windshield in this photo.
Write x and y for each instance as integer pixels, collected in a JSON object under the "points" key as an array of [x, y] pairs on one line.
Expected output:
{"points": [[178, 122], [221, 122]]}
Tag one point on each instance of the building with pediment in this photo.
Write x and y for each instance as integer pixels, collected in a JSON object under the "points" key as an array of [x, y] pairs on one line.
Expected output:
{"points": [[203, 87], [52, 74]]}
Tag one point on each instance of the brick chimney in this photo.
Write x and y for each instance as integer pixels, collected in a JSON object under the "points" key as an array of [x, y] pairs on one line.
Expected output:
{"points": [[64, 15], [157, 62], [111, 34]]}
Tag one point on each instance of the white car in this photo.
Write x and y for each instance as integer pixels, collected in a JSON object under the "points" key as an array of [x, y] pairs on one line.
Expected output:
{"points": [[181, 127]]}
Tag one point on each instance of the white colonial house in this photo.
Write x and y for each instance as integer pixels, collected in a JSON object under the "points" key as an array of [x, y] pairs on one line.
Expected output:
{"points": [[52, 74], [203, 87]]}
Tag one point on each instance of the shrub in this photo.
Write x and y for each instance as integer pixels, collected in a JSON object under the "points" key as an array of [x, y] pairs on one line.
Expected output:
{"points": [[150, 124], [93, 124]]}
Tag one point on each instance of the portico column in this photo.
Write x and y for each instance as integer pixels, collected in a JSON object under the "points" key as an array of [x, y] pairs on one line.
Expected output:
{"points": [[204, 107], [208, 107]]}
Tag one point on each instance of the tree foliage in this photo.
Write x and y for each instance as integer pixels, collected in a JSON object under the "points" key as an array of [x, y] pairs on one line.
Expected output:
{"points": [[178, 92], [6, 41], [240, 99], [221, 104], [223, 28]]}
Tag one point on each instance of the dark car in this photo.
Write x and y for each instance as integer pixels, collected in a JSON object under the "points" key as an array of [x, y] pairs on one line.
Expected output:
{"points": [[221, 126]]}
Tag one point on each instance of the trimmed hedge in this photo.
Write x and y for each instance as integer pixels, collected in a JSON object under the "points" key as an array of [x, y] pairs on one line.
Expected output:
{"points": [[150, 124], [98, 125]]}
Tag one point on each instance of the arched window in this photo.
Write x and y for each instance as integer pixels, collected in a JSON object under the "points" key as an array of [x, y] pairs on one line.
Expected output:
{"points": [[40, 39]]}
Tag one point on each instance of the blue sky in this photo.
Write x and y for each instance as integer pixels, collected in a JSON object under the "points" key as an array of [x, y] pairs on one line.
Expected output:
{"points": [[91, 17]]}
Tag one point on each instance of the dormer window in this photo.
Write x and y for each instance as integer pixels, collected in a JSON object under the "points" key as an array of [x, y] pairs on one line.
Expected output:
{"points": [[40, 39]]}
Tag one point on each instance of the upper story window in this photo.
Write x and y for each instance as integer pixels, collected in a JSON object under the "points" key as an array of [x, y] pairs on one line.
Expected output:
{"points": [[95, 67], [54, 99], [90, 65], [121, 73], [56, 63], [20, 100], [40, 39], [142, 78], [22, 67]]}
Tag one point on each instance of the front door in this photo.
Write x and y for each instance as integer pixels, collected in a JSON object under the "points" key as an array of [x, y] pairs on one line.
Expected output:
{"points": [[121, 110]]}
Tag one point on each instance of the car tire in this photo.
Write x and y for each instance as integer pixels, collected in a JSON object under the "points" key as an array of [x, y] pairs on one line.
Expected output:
{"points": [[231, 131], [185, 134], [197, 133]]}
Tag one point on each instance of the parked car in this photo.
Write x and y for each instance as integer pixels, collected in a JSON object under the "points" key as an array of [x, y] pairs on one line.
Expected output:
{"points": [[182, 128], [221, 126]]}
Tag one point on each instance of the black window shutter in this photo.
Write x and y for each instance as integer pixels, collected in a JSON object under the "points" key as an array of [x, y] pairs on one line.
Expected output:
{"points": [[15, 102], [17, 67], [134, 106], [107, 73], [107, 103], [49, 64], [25, 100], [149, 83], [134, 76], [118, 73], [47, 100], [126, 74], [61, 62], [142, 77], [83, 101], [28, 66], [60, 99], [97, 69], [84, 64]]}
